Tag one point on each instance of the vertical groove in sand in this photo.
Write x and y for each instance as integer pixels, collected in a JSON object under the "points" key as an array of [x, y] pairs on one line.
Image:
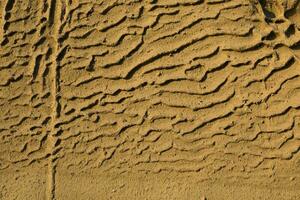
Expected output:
{"points": [[54, 12]]}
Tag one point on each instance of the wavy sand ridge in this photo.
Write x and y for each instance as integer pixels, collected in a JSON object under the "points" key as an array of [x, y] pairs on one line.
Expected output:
{"points": [[209, 88]]}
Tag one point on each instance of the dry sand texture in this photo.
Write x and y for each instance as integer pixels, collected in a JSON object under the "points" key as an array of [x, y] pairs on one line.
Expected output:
{"points": [[149, 99]]}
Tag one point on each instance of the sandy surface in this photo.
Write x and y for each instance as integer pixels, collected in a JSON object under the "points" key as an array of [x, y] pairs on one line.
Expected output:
{"points": [[149, 99]]}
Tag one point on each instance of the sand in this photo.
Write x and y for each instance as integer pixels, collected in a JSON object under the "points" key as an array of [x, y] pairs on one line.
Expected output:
{"points": [[149, 99]]}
